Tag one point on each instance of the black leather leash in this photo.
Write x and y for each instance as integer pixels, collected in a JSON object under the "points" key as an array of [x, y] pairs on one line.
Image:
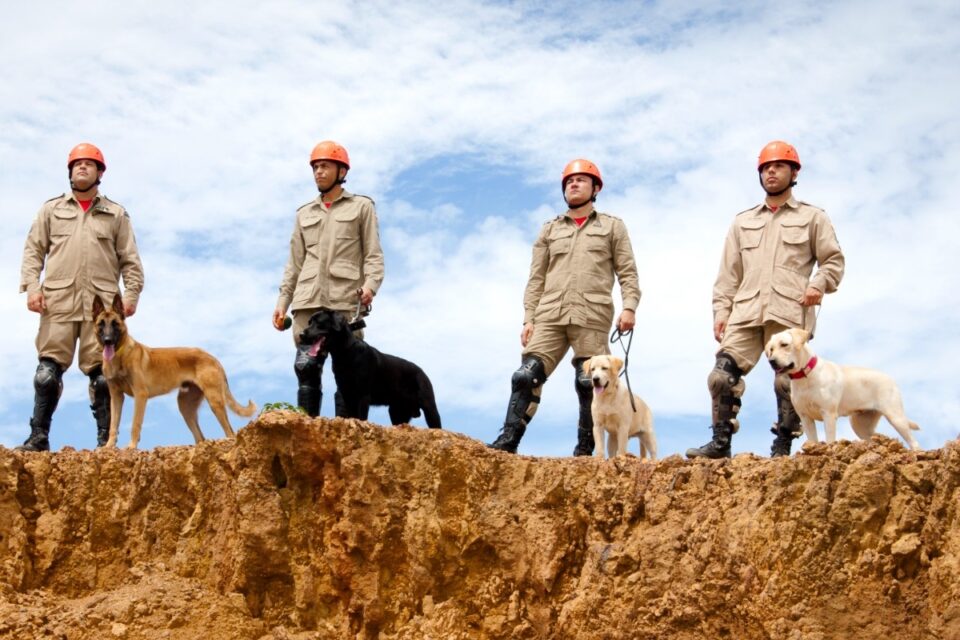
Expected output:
{"points": [[617, 336]]}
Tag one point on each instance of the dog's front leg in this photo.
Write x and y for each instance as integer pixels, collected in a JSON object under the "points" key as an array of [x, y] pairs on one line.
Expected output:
{"points": [[363, 407], [622, 439], [809, 428], [598, 437], [139, 408], [830, 426], [116, 408]]}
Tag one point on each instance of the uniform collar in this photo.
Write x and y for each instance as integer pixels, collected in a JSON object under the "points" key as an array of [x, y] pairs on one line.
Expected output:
{"points": [[343, 195], [789, 204], [569, 213]]}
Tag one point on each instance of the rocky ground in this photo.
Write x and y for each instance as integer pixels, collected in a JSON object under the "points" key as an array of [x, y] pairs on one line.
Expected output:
{"points": [[304, 529]]}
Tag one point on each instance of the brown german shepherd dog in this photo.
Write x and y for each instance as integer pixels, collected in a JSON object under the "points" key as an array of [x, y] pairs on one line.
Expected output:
{"points": [[141, 372]]}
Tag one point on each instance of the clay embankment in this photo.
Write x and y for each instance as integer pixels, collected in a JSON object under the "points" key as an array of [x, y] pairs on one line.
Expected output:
{"points": [[339, 529]]}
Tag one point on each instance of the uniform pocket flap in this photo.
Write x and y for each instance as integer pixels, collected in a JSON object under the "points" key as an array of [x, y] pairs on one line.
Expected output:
{"points": [[65, 214], [346, 216], [344, 270], [746, 294], [57, 283], [598, 298], [787, 290], [310, 219], [102, 284], [795, 234], [551, 296]]}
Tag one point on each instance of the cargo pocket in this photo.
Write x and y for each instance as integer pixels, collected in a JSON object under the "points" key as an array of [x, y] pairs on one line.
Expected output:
{"points": [[746, 306], [785, 303], [795, 245], [59, 295], [344, 281], [549, 306], [599, 308]]}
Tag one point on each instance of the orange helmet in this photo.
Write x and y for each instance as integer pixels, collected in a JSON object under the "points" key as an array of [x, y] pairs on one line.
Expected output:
{"points": [[778, 151], [330, 150], [86, 151], [581, 166]]}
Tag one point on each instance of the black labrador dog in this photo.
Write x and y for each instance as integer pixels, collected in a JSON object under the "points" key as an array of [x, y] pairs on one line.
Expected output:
{"points": [[366, 377]]}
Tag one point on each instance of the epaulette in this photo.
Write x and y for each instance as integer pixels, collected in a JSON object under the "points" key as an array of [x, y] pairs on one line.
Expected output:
{"points": [[360, 195], [62, 195], [755, 207], [304, 206], [807, 204]]}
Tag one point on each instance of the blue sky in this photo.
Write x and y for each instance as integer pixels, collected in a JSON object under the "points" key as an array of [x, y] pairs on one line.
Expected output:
{"points": [[459, 118]]}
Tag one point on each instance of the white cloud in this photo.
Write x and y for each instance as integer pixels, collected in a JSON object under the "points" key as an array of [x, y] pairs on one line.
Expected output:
{"points": [[207, 114]]}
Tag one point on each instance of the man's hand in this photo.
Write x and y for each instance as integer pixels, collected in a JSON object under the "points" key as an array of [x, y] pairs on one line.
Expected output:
{"points": [[129, 309], [526, 334], [366, 296], [812, 296], [627, 321], [278, 315], [719, 328], [36, 302]]}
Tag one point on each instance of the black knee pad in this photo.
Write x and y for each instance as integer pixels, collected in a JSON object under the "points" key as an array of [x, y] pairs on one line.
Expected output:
{"points": [[47, 381], [98, 384], [529, 376], [307, 367], [725, 376]]}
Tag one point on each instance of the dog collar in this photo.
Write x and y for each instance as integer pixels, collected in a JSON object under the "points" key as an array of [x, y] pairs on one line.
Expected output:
{"points": [[803, 373]]}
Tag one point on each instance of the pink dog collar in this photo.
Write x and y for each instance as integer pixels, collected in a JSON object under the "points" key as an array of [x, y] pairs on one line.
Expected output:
{"points": [[803, 373]]}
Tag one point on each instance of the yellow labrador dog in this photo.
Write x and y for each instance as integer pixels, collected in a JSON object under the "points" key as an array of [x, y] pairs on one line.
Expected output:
{"points": [[822, 390], [612, 412]]}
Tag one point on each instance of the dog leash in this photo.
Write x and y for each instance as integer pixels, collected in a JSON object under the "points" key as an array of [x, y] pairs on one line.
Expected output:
{"points": [[358, 322], [617, 336]]}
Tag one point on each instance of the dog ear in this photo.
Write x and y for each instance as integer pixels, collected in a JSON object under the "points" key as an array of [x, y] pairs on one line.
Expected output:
{"points": [[617, 363], [98, 307], [118, 305], [801, 335]]}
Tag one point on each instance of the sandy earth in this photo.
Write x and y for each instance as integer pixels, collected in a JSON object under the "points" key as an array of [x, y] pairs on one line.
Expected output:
{"points": [[304, 529]]}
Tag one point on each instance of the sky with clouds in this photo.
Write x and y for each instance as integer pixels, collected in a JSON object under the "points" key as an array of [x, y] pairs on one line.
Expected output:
{"points": [[459, 117]]}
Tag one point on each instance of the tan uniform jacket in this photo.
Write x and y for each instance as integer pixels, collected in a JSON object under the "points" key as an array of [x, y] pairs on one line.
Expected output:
{"points": [[572, 271], [84, 254], [333, 252], [767, 261]]}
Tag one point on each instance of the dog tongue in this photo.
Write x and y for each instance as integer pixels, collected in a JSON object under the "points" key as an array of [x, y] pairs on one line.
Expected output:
{"points": [[315, 349], [108, 352], [598, 389]]}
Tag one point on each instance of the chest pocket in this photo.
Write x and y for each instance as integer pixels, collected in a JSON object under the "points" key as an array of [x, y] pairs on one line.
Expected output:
{"points": [[102, 225], [750, 235], [561, 241], [347, 224], [310, 228], [63, 222], [795, 244], [597, 241]]}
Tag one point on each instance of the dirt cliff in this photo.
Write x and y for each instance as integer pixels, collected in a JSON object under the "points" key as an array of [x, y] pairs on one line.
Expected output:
{"points": [[342, 529]]}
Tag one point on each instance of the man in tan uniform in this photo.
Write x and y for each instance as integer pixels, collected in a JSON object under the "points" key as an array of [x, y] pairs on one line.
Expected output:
{"points": [[83, 243], [335, 260], [765, 286], [568, 301]]}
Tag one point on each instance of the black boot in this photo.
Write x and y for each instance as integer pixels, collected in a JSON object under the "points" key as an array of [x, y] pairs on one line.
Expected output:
{"points": [[726, 388], [308, 369], [100, 404], [787, 428], [718, 447], [47, 385], [524, 398], [584, 388]]}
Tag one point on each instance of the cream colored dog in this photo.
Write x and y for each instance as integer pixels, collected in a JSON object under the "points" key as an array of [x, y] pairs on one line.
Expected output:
{"points": [[612, 412], [822, 390]]}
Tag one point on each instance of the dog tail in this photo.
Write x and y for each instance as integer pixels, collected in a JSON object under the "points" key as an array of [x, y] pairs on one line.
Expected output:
{"points": [[239, 409], [428, 402]]}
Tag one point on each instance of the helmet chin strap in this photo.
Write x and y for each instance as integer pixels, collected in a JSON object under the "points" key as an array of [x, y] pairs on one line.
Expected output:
{"points": [[792, 184]]}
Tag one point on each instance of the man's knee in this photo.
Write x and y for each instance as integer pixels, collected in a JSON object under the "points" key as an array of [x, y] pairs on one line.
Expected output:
{"points": [[530, 375], [48, 376], [725, 377], [307, 367]]}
